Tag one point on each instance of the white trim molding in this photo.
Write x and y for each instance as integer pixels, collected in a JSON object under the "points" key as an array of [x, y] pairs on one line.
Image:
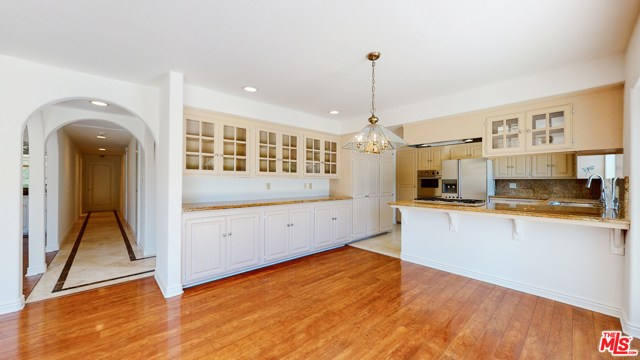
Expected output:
{"points": [[167, 293], [12, 306], [616, 242], [517, 229], [629, 328], [453, 221], [36, 270]]}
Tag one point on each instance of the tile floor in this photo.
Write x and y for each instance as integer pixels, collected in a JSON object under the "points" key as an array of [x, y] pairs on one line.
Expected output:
{"points": [[387, 244], [101, 257]]}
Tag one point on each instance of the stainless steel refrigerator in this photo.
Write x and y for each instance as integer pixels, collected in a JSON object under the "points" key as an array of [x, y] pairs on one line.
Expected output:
{"points": [[468, 179]]}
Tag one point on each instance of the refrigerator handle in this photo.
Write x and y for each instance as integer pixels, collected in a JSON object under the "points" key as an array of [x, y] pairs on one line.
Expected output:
{"points": [[459, 177]]}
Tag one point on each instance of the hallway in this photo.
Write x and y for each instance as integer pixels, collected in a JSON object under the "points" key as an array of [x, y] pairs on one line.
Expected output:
{"points": [[100, 250]]}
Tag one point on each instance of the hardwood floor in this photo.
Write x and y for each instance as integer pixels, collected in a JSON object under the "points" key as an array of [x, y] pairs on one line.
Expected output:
{"points": [[29, 282], [345, 304]]}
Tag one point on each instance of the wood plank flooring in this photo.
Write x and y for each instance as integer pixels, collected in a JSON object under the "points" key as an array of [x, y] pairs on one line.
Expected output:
{"points": [[342, 304], [29, 282]]}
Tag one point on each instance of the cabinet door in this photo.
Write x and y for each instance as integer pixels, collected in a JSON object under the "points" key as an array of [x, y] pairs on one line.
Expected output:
{"points": [[540, 166], [235, 147], [358, 176], [459, 152], [276, 234], [301, 231], [549, 128], [312, 156], [475, 151], [205, 248], [406, 167], [424, 159], [372, 215], [501, 168], [520, 166], [562, 166], [289, 154], [436, 158], [330, 162], [201, 148], [358, 216], [323, 226], [386, 176], [386, 213], [503, 134], [372, 177], [341, 222], [267, 152], [243, 236]]}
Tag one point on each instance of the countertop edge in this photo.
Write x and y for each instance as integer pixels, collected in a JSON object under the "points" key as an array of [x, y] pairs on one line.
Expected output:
{"points": [[266, 202], [622, 223]]}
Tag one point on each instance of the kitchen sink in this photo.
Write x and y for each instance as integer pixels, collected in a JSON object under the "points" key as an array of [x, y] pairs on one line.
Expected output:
{"points": [[574, 204]]}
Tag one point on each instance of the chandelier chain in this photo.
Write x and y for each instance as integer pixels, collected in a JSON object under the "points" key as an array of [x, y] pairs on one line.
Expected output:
{"points": [[373, 88]]}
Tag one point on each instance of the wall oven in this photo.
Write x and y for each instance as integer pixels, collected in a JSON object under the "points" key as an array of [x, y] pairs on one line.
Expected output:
{"points": [[429, 183]]}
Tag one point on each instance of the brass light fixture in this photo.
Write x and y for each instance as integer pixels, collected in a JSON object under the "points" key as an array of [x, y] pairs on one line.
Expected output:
{"points": [[374, 138]]}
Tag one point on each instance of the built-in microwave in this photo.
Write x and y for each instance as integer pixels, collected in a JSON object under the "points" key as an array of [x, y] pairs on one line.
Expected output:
{"points": [[429, 183]]}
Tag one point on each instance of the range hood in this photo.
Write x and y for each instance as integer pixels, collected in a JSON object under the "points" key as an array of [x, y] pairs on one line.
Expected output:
{"points": [[449, 142]]}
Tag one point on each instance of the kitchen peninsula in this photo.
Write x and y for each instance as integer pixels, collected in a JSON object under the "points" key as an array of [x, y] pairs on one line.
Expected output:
{"points": [[565, 253]]}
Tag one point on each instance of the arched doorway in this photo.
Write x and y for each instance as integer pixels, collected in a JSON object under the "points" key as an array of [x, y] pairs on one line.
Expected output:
{"points": [[128, 156]]}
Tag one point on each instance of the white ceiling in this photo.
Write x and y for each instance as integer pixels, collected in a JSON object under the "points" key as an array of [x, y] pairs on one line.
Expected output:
{"points": [[86, 105], [310, 55], [83, 134]]}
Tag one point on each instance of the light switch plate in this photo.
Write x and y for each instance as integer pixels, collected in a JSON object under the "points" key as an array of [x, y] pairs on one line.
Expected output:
{"points": [[305, 186], [268, 186], [512, 185], [310, 186]]}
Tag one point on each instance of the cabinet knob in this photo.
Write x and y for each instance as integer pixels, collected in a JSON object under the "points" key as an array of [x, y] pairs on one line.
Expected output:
{"points": [[229, 234], [288, 225], [519, 131], [291, 225], [528, 130], [224, 235]]}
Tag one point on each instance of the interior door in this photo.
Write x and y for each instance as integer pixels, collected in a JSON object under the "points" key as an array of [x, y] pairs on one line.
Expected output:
{"points": [[276, 234], [243, 237], [101, 185], [301, 231]]}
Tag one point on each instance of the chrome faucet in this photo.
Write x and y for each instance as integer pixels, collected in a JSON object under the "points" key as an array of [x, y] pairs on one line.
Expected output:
{"points": [[615, 201], [603, 195]]}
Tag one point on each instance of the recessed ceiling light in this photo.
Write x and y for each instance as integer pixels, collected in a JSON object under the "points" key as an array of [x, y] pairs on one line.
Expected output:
{"points": [[98, 103], [250, 88], [334, 112], [102, 149]]}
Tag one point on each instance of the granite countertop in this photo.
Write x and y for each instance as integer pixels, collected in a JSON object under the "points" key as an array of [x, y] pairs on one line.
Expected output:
{"points": [[221, 205], [541, 209], [518, 197]]}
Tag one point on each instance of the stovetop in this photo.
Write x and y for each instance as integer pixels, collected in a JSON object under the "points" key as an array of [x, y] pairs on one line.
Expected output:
{"points": [[445, 201]]}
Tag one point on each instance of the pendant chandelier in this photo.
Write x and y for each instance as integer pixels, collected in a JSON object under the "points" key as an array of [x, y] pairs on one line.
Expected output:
{"points": [[374, 138]]}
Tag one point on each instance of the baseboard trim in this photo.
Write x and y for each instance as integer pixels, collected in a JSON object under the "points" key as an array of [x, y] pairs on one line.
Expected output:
{"points": [[629, 328], [52, 248], [12, 306], [549, 294], [36, 270], [167, 292]]}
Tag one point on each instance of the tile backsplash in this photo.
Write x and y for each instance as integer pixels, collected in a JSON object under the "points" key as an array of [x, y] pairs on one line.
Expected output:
{"points": [[548, 188]]}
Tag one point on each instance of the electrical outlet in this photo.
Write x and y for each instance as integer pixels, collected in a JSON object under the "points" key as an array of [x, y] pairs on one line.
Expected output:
{"points": [[268, 186], [512, 185], [305, 186], [310, 186]]}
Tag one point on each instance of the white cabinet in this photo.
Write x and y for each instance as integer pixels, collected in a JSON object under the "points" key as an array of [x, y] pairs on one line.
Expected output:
{"points": [[332, 225], [556, 166], [512, 167], [277, 152], [287, 233], [372, 189], [217, 245], [205, 248], [321, 156]]}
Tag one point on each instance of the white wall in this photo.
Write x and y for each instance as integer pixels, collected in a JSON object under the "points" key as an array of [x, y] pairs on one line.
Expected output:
{"points": [[131, 208], [53, 169], [599, 72], [211, 100], [204, 189], [66, 184]]}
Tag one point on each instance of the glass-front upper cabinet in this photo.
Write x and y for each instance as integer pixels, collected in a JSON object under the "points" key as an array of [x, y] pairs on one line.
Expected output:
{"points": [[213, 146], [549, 128], [321, 156], [277, 152], [330, 157], [504, 134], [313, 154]]}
